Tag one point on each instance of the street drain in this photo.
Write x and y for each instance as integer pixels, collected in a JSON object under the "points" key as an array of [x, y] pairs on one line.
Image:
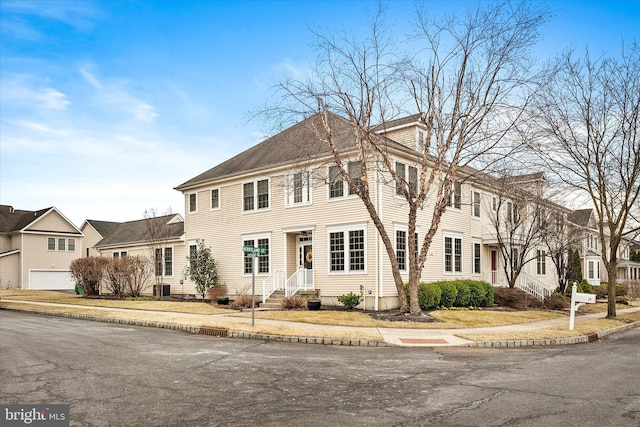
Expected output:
{"points": [[213, 332]]}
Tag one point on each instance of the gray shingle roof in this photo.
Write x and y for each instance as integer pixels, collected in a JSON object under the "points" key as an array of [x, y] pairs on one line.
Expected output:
{"points": [[301, 142], [580, 217], [133, 232], [15, 220], [104, 228]]}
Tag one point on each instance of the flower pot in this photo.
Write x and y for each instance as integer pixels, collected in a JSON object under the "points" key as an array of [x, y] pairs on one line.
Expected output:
{"points": [[313, 304]]}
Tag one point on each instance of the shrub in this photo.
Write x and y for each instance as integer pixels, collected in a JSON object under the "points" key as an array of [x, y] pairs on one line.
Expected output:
{"points": [[429, 295], [464, 293], [585, 287], [477, 294], [489, 294], [350, 300], [292, 303], [88, 273], [555, 301], [242, 301], [449, 292], [511, 297], [600, 291]]}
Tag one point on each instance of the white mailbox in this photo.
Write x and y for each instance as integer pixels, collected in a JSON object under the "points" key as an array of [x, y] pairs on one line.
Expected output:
{"points": [[577, 299], [587, 298]]}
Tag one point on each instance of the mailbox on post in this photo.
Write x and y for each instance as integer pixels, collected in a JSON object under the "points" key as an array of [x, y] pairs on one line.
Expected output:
{"points": [[577, 299]]}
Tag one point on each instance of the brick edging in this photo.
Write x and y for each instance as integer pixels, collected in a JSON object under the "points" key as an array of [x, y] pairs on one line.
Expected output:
{"points": [[196, 330]]}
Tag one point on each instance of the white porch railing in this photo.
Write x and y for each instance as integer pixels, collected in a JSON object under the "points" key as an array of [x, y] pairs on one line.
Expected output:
{"points": [[272, 283], [533, 286], [530, 284], [300, 280]]}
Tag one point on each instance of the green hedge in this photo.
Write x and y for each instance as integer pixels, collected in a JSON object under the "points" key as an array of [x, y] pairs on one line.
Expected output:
{"points": [[454, 293]]}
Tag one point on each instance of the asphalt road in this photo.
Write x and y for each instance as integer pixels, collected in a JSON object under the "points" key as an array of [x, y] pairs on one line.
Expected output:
{"points": [[133, 376]]}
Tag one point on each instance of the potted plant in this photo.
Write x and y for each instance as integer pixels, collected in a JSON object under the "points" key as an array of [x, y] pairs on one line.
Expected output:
{"points": [[313, 304]]}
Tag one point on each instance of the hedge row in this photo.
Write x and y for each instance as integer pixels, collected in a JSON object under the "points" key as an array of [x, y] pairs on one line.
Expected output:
{"points": [[455, 293]]}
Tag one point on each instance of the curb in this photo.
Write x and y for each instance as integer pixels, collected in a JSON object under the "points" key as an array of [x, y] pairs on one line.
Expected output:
{"points": [[203, 330], [555, 341], [200, 330]]}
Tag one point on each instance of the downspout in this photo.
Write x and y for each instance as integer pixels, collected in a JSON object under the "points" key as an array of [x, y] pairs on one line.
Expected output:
{"points": [[378, 243], [22, 261]]}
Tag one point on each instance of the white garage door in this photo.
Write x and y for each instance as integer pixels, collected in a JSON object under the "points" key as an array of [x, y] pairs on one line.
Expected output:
{"points": [[50, 280]]}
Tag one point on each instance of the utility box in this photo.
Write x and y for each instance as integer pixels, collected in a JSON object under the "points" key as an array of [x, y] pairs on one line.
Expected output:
{"points": [[162, 289]]}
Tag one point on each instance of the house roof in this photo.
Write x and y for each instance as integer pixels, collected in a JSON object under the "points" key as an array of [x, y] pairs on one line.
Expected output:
{"points": [[12, 220], [139, 231], [580, 217], [104, 228], [297, 144]]}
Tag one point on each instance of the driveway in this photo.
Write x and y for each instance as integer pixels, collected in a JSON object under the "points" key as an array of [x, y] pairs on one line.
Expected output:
{"points": [[124, 375]]}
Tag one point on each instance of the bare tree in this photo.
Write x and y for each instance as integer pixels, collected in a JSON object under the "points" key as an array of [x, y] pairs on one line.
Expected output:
{"points": [[464, 81], [518, 218], [157, 235], [587, 127], [561, 238]]}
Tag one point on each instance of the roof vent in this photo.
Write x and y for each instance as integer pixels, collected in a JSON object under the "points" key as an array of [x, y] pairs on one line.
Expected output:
{"points": [[11, 210]]}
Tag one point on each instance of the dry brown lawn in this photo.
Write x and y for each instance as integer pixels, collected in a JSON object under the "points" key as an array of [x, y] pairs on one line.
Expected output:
{"points": [[585, 327], [194, 307]]}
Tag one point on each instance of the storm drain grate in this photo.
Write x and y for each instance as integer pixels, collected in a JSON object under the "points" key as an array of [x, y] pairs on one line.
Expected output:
{"points": [[213, 332]]}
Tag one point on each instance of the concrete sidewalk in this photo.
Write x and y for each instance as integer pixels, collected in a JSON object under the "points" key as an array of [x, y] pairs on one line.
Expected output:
{"points": [[389, 336]]}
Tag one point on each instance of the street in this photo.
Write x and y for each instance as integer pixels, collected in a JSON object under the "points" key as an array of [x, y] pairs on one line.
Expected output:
{"points": [[113, 375]]}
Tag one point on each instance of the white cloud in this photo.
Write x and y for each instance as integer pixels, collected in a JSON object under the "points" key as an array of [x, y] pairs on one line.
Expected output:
{"points": [[113, 92], [80, 15], [27, 91]]}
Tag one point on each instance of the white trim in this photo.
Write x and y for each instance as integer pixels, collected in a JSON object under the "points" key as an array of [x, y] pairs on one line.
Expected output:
{"points": [[346, 228], [211, 190]]}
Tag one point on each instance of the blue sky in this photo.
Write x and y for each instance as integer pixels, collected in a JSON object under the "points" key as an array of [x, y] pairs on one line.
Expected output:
{"points": [[105, 106]]}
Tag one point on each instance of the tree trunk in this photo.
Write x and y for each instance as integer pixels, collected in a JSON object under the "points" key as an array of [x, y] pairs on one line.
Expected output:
{"points": [[612, 278]]}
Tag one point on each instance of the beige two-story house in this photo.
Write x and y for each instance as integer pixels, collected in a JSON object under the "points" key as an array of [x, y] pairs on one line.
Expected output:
{"points": [[286, 196], [36, 249]]}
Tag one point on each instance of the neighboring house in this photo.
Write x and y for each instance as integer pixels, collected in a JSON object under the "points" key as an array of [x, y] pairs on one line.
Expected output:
{"points": [[160, 240], [286, 196], [591, 253], [36, 249], [94, 231]]}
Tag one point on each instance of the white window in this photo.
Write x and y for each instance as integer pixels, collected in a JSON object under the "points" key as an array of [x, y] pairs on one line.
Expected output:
{"points": [[62, 243], [193, 203], [494, 204], [51, 243], [456, 195], [164, 262], [215, 198], [121, 254], [593, 269], [347, 250], [420, 141], [299, 189], [71, 245], [256, 194], [477, 260], [410, 175], [452, 254], [337, 183], [541, 262], [264, 260], [475, 204], [512, 213]]}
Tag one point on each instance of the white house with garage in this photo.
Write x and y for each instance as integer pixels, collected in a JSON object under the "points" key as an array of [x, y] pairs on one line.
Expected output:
{"points": [[36, 249]]}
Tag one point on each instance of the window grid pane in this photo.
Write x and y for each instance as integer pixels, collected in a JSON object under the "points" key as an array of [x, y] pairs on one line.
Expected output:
{"points": [[401, 252], [215, 199], [448, 254], [71, 245], [356, 250], [248, 258], [192, 202], [263, 260], [400, 171], [248, 196], [458, 255], [336, 250], [297, 188], [476, 258], [158, 262], [263, 194], [51, 244], [168, 261], [61, 244], [355, 172]]}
